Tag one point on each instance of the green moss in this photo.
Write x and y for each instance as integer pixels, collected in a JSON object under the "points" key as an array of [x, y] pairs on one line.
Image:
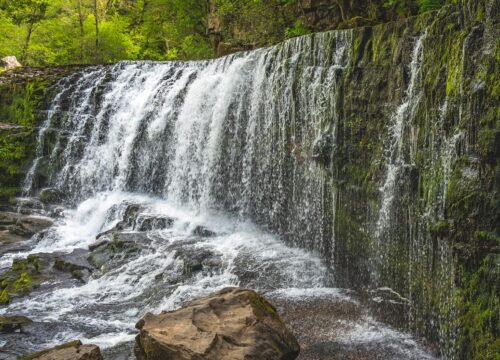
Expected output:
{"points": [[263, 305], [23, 283], [480, 310], [454, 66], [20, 278], [19, 104], [7, 192], [439, 229], [4, 297]]}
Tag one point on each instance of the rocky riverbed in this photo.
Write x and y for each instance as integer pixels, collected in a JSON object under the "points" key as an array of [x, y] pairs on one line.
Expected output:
{"points": [[91, 273]]}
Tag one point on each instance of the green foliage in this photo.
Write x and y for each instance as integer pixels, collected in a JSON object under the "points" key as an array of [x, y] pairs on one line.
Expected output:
{"points": [[480, 311], [18, 106], [407, 7], [427, 5], [42, 32], [299, 28], [402, 7], [52, 32]]}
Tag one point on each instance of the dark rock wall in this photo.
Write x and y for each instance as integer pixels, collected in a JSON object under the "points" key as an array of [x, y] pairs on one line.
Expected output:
{"points": [[441, 246]]}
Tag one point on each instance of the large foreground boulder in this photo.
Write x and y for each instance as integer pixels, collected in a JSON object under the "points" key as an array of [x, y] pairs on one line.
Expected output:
{"points": [[73, 350], [231, 324]]}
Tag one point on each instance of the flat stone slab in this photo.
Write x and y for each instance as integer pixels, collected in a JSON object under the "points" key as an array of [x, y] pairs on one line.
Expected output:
{"points": [[73, 350]]}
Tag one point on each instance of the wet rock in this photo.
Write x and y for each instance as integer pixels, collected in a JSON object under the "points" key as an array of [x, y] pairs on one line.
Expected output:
{"points": [[75, 263], [198, 259], [324, 149], [73, 350], [202, 231], [230, 324], [27, 206], [389, 306], [30, 225], [115, 249], [24, 226], [12, 243], [9, 63], [50, 196], [148, 222], [131, 213], [128, 221], [57, 212], [108, 234], [9, 324], [43, 271]]}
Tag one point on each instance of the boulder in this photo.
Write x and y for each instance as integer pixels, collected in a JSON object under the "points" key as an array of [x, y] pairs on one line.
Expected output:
{"points": [[202, 231], [196, 259], [114, 249], [10, 324], [75, 263], [9, 63], [230, 324], [73, 350], [148, 222], [50, 196]]}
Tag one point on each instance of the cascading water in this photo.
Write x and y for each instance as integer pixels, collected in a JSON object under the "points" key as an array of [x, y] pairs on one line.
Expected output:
{"points": [[224, 144], [401, 118]]}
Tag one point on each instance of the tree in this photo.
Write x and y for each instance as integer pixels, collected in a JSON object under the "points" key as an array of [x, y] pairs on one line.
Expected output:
{"points": [[96, 19], [28, 12]]}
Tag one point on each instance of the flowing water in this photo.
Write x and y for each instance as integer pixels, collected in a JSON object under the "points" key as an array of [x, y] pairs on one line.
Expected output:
{"points": [[223, 144]]}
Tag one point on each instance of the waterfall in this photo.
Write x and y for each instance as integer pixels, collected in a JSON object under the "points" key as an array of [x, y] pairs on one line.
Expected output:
{"points": [[401, 118], [234, 134], [249, 142]]}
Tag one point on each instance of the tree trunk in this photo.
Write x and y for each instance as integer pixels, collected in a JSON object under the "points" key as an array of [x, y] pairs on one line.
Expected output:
{"points": [[27, 42], [80, 20]]}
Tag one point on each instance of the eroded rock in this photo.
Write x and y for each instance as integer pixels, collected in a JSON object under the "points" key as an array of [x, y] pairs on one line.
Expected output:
{"points": [[9, 324], [116, 248], [24, 226], [230, 324], [73, 350]]}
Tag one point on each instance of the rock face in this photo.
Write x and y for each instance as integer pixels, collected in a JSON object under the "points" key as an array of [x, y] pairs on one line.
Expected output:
{"points": [[230, 324], [10, 62], [73, 350]]}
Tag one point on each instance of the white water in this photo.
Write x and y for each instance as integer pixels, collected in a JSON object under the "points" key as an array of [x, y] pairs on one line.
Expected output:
{"points": [[394, 153], [105, 310]]}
